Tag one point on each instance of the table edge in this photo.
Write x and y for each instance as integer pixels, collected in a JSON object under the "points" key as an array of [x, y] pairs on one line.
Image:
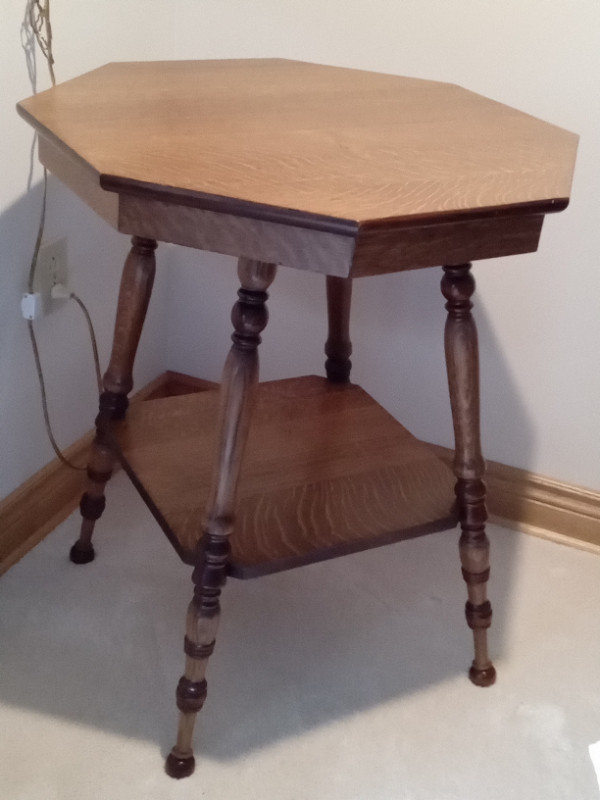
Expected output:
{"points": [[319, 222]]}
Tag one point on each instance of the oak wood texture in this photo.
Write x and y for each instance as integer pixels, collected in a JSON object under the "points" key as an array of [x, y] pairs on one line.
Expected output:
{"points": [[462, 361], [326, 472], [47, 498], [336, 170], [338, 347], [82, 181], [516, 498], [171, 384], [134, 296], [404, 247], [236, 400], [539, 505], [343, 172], [232, 234]]}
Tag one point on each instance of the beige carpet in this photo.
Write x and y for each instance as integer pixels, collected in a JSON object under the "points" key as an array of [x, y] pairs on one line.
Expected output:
{"points": [[340, 681]]}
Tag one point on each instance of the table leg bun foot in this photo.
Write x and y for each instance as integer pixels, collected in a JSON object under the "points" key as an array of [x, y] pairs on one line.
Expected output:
{"points": [[81, 554], [482, 677], [177, 766]]}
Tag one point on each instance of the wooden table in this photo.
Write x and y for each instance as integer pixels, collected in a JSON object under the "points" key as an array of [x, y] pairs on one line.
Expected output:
{"points": [[341, 172]]}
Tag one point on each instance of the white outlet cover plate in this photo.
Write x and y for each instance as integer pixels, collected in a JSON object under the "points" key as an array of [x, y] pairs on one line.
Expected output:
{"points": [[51, 267]]}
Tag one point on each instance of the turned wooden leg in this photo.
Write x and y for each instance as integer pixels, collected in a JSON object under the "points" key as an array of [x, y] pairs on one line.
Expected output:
{"points": [[238, 386], [338, 347], [134, 296], [462, 361]]}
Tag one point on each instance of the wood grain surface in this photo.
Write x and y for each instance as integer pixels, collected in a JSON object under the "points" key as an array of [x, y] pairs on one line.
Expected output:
{"points": [[517, 498], [327, 141], [135, 291], [338, 347], [339, 171], [462, 361], [235, 235], [327, 471]]}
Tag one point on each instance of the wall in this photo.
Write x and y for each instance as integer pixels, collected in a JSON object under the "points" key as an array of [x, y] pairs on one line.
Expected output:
{"points": [[538, 314], [95, 253]]}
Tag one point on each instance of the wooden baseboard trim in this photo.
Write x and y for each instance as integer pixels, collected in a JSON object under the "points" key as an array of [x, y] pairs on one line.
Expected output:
{"points": [[540, 506], [36, 507], [516, 498]]}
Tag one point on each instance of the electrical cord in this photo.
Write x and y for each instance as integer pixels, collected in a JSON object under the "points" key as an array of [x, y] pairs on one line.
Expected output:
{"points": [[39, 21], [88, 319], [40, 374], [40, 234]]}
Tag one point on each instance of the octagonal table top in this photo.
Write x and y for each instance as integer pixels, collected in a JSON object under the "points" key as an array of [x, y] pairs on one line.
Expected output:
{"points": [[331, 150]]}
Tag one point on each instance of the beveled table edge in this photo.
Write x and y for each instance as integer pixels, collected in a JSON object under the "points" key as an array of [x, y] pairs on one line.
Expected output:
{"points": [[305, 219]]}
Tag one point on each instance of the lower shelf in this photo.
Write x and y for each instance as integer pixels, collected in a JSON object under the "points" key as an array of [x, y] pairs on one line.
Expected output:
{"points": [[327, 472]]}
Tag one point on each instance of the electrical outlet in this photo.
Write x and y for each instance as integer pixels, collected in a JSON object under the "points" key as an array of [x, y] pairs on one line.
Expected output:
{"points": [[51, 268]]}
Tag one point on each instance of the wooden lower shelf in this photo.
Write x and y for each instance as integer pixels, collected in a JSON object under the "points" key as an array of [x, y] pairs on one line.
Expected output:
{"points": [[327, 472]]}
